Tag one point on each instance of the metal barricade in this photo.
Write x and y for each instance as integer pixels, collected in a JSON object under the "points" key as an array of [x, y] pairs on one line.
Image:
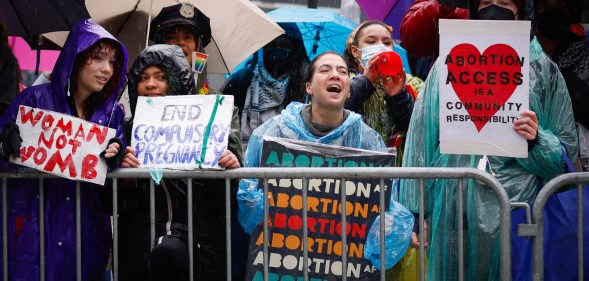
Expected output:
{"points": [[305, 174], [538, 245]]}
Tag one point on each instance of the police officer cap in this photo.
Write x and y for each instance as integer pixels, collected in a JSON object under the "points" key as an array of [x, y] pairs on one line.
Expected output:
{"points": [[180, 15]]}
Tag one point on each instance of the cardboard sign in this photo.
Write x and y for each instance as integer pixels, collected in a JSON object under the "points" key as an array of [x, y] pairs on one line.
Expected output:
{"points": [[323, 216], [199, 60], [62, 145], [484, 86], [182, 132]]}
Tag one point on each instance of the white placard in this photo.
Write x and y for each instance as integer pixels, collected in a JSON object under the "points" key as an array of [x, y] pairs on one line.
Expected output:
{"points": [[173, 131], [484, 86], [62, 145]]}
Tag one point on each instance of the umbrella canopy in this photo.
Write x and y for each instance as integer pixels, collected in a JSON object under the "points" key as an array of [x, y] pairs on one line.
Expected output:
{"points": [[238, 27], [322, 30], [27, 58], [389, 11], [31, 18]]}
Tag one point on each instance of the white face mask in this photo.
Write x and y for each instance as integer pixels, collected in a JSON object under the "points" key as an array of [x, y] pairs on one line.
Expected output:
{"points": [[369, 51]]}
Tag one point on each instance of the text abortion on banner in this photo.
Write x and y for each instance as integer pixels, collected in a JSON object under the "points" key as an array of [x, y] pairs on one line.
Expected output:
{"points": [[484, 86], [182, 132], [62, 145], [324, 208]]}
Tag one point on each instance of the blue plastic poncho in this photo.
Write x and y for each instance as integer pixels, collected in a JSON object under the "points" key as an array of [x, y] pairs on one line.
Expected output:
{"points": [[352, 133], [520, 177]]}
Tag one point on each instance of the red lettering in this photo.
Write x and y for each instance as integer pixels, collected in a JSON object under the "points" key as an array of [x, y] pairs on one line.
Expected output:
{"points": [[28, 116], [60, 142], [279, 220], [295, 222], [56, 159], [47, 142], [40, 155], [26, 152], [98, 132], [88, 166], [65, 127], [75, 144], [80, 133], [47, 122]]}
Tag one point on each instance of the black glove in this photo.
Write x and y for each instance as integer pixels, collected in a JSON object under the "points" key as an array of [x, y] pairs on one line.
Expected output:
{"points": [[10, 141], [117, 159]]}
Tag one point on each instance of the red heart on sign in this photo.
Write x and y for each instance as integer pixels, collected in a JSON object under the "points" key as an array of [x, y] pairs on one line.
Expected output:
{"points": [[483, 83]]}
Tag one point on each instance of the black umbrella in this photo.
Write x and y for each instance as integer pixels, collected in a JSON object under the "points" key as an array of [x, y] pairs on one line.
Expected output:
{"points": [[30, 19]]}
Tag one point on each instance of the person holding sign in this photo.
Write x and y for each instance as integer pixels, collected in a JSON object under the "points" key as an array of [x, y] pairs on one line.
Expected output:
{"points": [[86, 79], [371, 82], [548, 126], [324, 121], [162, 70]]}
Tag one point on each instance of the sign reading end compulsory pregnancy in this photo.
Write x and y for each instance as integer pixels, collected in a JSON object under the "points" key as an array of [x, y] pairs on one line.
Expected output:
{"points": [[182, 132]]}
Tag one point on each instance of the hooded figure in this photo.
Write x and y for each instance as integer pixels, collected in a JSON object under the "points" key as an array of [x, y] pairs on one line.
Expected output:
{"points": [[269, 81], [168, 260], [520, 177], [60, 194]]}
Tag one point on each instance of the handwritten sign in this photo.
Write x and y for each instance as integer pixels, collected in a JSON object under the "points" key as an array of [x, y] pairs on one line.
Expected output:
{"points": [[324, 203], [62, 145], [182, 132], [484, 86]]}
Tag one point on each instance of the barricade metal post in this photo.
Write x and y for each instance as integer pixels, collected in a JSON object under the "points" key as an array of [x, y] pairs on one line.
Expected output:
{"points": [[190, 232], [459, 213], [41, 230], [537, 215], [421, 230], [115, 229], [342, 191], [78, 234], [4, 230], [228, 226], [266, 231], [382, 227], [580, 229], [305, 232], [151, 213]]}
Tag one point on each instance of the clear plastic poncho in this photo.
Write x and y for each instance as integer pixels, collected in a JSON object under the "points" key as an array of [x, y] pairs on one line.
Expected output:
{"points": [[520, 177], [352, 133]]}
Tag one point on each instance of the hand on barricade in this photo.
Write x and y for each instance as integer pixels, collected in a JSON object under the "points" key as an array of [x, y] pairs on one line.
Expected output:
{"points": [[414, 242], [229, 160]]}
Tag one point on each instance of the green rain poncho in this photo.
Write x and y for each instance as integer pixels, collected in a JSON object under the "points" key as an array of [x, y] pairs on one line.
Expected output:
{"points": [[520, 177]]}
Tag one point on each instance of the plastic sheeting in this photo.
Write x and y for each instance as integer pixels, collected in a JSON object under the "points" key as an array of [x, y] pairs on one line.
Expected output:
{"points": [[550, 100], [352, 133]]}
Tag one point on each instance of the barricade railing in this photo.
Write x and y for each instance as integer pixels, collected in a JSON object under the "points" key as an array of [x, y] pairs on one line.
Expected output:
{"points": [[421, 174], [538, 221]]}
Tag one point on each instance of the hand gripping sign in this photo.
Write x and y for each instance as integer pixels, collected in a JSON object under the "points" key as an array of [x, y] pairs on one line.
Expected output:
{"points": [[484, 86], [182, 132], [62, 145]]}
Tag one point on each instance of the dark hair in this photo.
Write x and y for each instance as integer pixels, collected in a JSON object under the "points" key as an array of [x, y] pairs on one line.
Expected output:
{"points": [[348, 55], [312, 65], [98, 98]]}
